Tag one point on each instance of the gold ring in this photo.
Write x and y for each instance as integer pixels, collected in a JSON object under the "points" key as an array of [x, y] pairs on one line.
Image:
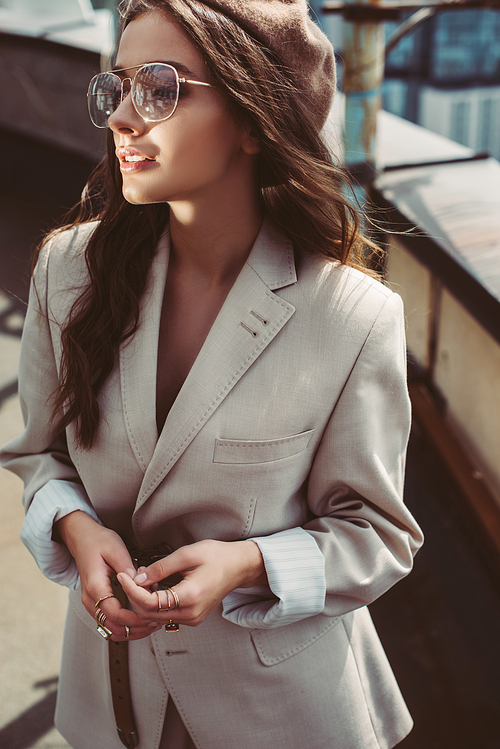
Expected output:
{"points": [[96, 604], [175, 597], [127, 632], [159, 602], [97, 614], [104, 632], [171, 627], [101, 618]]}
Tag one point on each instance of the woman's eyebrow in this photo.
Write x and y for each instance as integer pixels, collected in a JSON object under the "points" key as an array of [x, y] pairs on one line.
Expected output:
{"points": [[177, 65]]}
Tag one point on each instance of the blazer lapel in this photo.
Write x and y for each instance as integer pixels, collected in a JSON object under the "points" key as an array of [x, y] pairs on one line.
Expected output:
{"points": [[138, 363], [250, 318]]}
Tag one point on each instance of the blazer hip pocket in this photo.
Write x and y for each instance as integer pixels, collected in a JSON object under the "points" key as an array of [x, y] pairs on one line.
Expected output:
{"points": [[277, 645]]}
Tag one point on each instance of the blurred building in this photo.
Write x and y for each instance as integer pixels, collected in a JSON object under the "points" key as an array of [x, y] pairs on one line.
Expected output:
{"points": [[445, 76], [49, 51]]}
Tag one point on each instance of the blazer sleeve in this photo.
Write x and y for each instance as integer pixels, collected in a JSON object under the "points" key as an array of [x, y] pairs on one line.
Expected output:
{"points": [[39, 455], [362, 539], [355, 488]]}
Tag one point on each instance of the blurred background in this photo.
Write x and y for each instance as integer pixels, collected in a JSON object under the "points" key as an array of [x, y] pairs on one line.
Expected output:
{"points": [[417, 123]]}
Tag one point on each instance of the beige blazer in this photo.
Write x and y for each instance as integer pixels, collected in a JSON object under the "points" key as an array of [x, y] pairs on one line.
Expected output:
{"points": [[295, 413]]}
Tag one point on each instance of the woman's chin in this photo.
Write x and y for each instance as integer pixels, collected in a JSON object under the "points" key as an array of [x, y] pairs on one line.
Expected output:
{"points": [[139, 197]]}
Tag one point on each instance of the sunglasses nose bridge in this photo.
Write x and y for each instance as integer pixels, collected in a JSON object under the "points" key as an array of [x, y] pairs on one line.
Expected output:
{"points": [[126, 86]]}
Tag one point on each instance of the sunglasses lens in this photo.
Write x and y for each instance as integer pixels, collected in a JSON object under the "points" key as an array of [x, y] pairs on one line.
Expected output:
{"points": [[103, 97], [155, 92]]}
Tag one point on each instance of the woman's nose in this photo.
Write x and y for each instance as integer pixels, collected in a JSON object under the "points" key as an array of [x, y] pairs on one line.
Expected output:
{"points": [[125, 119]]}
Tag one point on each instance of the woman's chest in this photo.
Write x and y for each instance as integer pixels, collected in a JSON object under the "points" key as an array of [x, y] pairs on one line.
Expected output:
{"points": [[187, 316]]}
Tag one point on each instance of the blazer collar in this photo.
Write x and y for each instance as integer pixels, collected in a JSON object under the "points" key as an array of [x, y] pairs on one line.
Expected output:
{"points": [[272, 257], [250, 318]]}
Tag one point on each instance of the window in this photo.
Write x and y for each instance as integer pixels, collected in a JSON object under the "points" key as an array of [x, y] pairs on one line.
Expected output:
{"points": [[460, 116]]}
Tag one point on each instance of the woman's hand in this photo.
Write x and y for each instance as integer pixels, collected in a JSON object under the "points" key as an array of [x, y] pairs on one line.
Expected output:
{"points": [[210, 570], [99, 554]]}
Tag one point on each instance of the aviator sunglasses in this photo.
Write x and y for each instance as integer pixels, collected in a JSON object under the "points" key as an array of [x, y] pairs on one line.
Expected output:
{"points": [[154, 89]]}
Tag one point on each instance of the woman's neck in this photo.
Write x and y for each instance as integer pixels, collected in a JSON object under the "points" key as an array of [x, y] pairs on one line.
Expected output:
{"points": [[211, 243]]}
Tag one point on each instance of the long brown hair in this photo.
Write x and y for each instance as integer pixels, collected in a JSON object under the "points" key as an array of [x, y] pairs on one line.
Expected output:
{"points": [[303, 193]]}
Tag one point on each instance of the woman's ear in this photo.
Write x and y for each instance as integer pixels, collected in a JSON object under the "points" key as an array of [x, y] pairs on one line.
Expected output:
{"points": [[250, 145]]}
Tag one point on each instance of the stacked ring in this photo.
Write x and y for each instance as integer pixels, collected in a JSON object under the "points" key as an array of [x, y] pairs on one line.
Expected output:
{"points": [[96, 604], [101, 618], [174, 596], [159, 602]]}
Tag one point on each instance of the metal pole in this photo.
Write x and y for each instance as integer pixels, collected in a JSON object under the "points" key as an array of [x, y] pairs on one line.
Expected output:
{"points": [[362, 85]]}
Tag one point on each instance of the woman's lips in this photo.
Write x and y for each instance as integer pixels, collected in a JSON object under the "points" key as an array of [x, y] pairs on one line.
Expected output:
{"points": [[136, 165], [132, 160]]}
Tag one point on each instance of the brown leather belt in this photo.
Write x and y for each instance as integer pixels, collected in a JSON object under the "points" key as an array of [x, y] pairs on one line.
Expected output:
{"points": [[118, 653], [120, 682]]}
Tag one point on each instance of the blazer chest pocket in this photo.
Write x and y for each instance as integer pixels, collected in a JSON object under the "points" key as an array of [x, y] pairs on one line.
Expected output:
{"points": [[260, 451]]}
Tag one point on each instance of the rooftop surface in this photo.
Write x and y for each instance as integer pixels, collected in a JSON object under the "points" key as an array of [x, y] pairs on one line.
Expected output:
{"points": [[458, 205], [441, 187]]}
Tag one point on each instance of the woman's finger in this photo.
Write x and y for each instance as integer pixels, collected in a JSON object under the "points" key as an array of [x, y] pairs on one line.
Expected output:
{"points": [[161, 605], [109, 605], [124, 633], [124, 617], [143, 600], [175, 562], [118, 620]]}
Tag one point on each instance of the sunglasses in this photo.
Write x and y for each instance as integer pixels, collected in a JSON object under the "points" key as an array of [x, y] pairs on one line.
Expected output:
{"points": [[154, 89]]}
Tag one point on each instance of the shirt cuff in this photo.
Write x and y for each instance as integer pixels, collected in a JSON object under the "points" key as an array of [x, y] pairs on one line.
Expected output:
{"points": [[55, 500], [295, 570]]}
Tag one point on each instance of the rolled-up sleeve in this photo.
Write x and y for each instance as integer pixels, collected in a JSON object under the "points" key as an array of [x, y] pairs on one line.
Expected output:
{"points": [[52, 502], [295, 570]]}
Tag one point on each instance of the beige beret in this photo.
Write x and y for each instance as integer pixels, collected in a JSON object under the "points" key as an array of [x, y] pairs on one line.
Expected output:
{"points": [[284, 26]]}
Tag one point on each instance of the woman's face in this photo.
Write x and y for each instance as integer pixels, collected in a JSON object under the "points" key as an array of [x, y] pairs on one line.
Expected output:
{"points": [[200, 153]]}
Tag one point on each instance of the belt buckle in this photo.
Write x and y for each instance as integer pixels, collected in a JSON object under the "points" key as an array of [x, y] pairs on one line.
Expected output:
{"points": [[141, 559], [144, 558]]}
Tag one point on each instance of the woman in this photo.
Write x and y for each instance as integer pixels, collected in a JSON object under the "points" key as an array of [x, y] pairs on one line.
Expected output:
{"points": [[213, 388]]}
